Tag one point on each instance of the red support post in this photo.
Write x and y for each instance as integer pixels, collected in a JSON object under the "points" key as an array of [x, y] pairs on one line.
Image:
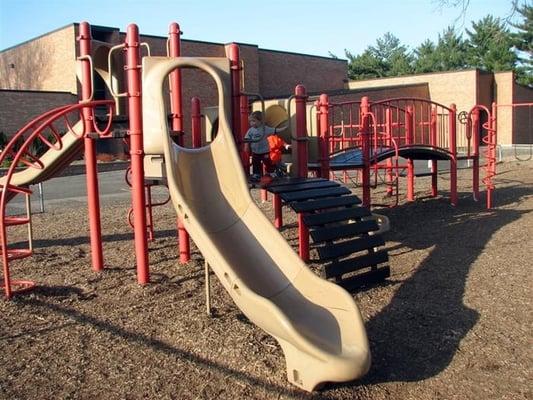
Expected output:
{"points": [[475, 152], [133, 74], [196, 126], [365, 149], [492, 142], [302, 160], [409, 139], [323, 123], [245, 156], [176, 109], [235, 64], [93, 197], [452, 121], [433, 142], [278, 211], [389, 142], [301, 130]]}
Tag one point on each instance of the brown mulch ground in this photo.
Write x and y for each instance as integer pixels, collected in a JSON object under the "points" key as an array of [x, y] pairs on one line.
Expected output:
{"points": [[453, 321]]}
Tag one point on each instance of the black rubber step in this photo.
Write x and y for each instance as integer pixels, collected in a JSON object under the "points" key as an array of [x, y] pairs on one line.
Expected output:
{"points": [[336, 250], [293, 181], [322, 204], [336, 216], [339, 268], [343, 231], [315, 193], [365, 279], [302, 186]]}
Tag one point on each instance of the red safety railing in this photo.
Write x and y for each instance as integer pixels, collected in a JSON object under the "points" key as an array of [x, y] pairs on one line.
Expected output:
{"points": [[49, 130]]}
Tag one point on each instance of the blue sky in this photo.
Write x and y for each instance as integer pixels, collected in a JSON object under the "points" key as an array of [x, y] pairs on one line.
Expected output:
{"points": [[305, 26]]}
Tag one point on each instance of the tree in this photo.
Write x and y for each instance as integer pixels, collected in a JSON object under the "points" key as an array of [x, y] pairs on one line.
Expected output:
{"points": [[451, 51], [387, 58], [364, 66], [523, 42], [490, 46], [426, 59]]}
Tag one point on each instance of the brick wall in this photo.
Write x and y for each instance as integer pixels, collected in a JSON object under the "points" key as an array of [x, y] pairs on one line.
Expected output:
{"points": [[523, 115], [19, 107], [503, 82], [280, 72], [46, 63]]}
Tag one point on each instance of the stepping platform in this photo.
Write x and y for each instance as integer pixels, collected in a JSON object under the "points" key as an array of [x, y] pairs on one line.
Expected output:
{"points": [[345, 241]]}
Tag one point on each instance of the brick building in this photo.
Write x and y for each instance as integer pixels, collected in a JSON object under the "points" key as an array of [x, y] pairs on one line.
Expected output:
{"points": [[40, 74]]}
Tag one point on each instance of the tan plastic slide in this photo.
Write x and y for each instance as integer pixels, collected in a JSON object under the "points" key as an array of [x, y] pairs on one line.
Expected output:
{"points": [[53, 160], [316, 322]]}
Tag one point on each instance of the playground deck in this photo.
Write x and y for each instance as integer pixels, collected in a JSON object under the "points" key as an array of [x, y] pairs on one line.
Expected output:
{"points": [[454, 320]]}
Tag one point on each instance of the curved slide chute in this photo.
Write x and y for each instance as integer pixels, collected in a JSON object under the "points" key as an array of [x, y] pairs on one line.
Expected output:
{"points": [[317, 323]]}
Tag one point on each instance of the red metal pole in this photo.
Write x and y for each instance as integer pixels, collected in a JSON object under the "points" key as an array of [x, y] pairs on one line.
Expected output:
{"points": [[409, 139], [196, 126], [245, 156], [388, 130], [453, 150], [133, 74], [278, 212], [91, 171], [433, 142], [475, 152], [235, 63], [301, 151], [301, 130], [493, 140], [365, 149], [176, 108], [323, 123]]}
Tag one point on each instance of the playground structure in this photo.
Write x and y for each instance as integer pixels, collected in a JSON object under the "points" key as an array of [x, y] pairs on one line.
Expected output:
{"points": [[316, 322]]}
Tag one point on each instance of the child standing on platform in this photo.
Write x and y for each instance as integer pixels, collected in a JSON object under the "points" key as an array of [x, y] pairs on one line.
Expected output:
{"points": [[257, 141]]}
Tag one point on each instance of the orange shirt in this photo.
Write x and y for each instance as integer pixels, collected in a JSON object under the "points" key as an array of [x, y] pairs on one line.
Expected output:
{"points": [[276, 144]]}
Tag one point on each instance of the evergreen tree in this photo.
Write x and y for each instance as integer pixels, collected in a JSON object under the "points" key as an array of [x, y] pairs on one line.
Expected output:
{"points": [[451, 51], [364, 66], [523, 41], [387, 58], [426, 59], [490, 45]]}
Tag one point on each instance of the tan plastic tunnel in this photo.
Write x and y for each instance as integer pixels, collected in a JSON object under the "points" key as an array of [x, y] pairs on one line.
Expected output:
{"points": [[316, 322]]}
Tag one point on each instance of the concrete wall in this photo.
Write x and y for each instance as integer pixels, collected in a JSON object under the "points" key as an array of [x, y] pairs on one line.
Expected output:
{"points": [[46, 63], [19, 107]]}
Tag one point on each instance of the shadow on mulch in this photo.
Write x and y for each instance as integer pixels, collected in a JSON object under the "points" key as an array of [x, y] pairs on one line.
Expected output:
{"points": [[155, 344], [418, 333]]}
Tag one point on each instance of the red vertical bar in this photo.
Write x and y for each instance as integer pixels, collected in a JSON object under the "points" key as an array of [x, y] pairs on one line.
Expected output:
{"points": [[475, 152], [323, 105], [301, 130], [133, 74], [493, 140], [388, 131], [409, 139], [433, 142], [453, 150], [365, 149], [302, 158], [93, 198], [245, 156], [235, 63], [196, 117], [176, 109], [278, 214]]}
